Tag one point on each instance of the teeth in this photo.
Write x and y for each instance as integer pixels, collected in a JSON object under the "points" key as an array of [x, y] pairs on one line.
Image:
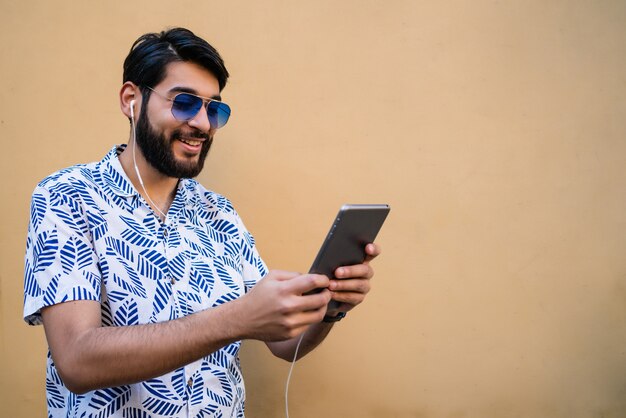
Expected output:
{"points": [[191, 142]]}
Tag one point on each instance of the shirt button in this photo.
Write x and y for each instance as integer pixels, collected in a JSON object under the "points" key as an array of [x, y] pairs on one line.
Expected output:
{"points": [[172, 280], [165, 233], [190, 382]]}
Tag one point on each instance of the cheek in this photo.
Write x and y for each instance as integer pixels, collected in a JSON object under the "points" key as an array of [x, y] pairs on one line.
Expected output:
{"points": [[162, 120], [166, 131]]}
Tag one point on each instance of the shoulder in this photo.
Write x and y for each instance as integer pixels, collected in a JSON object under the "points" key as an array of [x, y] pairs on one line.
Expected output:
{"points": [[78, 175], [67, 175], [76, 179], [67, 184]]}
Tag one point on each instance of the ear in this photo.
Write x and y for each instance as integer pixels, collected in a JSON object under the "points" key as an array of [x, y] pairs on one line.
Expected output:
{"points": [[129, 93]]}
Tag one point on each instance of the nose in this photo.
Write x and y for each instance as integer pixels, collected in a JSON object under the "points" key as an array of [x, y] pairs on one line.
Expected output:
{"points": [[201, 120]]}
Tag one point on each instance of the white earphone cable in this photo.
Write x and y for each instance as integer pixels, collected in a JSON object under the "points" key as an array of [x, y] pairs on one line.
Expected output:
{"points": [[295, 357], [132, 119]]}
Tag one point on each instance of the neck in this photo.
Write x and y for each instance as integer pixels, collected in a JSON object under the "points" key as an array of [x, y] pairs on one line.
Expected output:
{"points": [[158, 190]]}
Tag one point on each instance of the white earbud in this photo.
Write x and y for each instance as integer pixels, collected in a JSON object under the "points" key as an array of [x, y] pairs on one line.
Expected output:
{"points": [[132, 107]]}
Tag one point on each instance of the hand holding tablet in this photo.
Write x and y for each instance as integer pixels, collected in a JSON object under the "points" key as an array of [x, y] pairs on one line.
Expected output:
{"points": [[354, 227]]}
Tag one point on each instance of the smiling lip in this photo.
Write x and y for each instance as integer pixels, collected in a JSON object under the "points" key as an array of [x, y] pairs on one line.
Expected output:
{"points": [[191, 145], [194, 142]]}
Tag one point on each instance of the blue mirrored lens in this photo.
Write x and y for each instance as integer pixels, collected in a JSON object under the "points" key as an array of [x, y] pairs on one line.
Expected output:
{"points": [[186, 106], [218, 114]]}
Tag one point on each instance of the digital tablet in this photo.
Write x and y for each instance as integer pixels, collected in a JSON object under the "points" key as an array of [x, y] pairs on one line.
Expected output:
{"points": [[354, 227]]}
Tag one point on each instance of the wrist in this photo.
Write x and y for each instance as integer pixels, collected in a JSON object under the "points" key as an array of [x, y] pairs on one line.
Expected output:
{"points": [[336, 316], [237, 319]]}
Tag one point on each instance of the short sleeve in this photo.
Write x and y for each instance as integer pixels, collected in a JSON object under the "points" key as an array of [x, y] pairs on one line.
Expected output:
{"points": [[60, 263], [254, 269]]}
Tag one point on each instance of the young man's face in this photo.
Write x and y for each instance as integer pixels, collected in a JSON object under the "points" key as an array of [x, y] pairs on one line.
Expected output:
{"points": [[177, 148]]}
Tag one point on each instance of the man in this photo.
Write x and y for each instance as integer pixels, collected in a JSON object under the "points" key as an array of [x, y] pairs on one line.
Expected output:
{"points": [[146, 282]]}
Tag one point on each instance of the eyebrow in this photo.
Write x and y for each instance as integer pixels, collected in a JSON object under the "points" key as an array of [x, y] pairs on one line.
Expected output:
{"points": [[183, 89]]}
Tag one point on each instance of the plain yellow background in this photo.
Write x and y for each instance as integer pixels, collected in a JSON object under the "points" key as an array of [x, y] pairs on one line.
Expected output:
{"points": [[496, 130]]}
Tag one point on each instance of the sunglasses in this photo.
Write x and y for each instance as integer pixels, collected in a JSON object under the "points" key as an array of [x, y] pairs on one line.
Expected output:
{"points": [[185, 106]]}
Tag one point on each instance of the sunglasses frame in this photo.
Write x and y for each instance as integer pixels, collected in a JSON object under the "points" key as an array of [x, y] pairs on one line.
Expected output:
{"points": [[205, 103]]}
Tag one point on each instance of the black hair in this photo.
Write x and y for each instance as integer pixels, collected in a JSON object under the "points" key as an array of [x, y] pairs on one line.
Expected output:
{"points": [[150, 54]]}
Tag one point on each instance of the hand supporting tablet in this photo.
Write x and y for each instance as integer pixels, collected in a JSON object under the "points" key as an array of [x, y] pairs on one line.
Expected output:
{"points": [[354, 227]]}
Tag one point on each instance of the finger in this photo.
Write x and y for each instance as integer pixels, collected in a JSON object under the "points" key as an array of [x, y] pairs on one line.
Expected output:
{"points": [[361, 286], [348, 298], [307, 282], [282, 275], [314, 301], [304, 319], [372, 251], [358, 270], [313, 316]]}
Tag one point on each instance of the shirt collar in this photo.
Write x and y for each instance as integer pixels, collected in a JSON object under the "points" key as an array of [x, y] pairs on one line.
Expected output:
{"points": [[116, 179], [114, 175]]}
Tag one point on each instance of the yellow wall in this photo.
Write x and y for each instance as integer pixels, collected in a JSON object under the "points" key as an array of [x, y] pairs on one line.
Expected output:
{"points": [[495, 130]]}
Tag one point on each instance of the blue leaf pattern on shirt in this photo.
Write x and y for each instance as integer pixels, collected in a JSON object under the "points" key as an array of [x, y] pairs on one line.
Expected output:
{"points": [[127, 314], [178, 382], [37, 209], [68, 256], [45, 250], [134, 413], [162, 297], [163, 400], [91, 237], [152, 264], [55, 397], [108, 401], [31, 286]]}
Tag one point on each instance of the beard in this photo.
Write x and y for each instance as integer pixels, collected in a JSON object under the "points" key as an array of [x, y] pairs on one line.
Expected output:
{"points": [[157, 149]]}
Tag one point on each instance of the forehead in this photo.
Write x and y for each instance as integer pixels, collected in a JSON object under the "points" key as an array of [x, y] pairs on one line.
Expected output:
{"points": [[190, 76]]}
